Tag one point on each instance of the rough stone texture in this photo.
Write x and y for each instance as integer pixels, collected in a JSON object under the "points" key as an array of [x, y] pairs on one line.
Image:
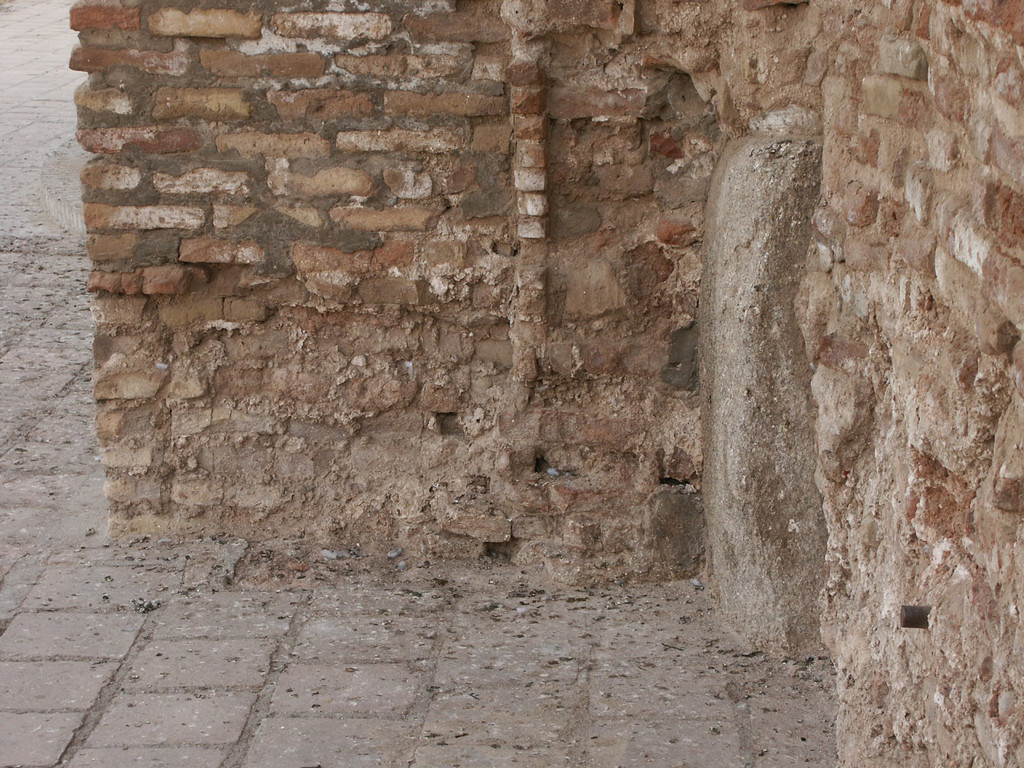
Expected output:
{"points": [[909, 319], [763, 509]]}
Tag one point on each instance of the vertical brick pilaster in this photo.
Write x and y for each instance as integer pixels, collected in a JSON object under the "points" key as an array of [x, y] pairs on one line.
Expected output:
{"points": [[528, 109]]}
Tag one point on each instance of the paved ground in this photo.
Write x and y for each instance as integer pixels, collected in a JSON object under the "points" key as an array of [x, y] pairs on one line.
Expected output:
{"points": [[214, 654]]}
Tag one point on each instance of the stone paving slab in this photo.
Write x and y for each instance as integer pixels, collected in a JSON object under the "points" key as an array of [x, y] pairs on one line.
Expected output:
{"points": [[148, 757], [200, 664], [93, 588], [69, 635], [227, 615], [52, 685], [340, 640], [35, 739], [165, 719], [617, 743], [282, 742], [355, 689], [521, 717], [477, 756]]}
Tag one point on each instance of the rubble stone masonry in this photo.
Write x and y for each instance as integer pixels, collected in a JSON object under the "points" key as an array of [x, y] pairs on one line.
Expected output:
{"points": [[428, 271]]}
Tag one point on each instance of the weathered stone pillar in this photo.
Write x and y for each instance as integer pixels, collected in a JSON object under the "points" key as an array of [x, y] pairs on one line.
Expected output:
{"points": [[766, 534]]}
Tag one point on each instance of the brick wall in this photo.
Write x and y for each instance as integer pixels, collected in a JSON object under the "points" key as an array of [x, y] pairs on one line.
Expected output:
{"points": [[406, 273]]}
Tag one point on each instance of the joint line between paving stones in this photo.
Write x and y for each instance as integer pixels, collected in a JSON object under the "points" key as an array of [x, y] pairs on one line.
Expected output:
{"points": [[99, 708], [16, 576], [260, 708], [744, 727], [581, 717], [421, 707]]}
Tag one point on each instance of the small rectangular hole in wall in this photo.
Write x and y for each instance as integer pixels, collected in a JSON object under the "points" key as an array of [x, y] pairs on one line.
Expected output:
{"points": [[449, 424]]}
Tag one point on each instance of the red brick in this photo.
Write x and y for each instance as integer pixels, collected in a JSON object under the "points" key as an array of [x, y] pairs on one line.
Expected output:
{"points": [[663, 144], [407, 219], [1009, 82], [212, 250], [600, 14], [570, 103], [128, 283], [461, 178], [1002, 211], [459, 27], [152, 140], [229, 63], [528, 100], [835, 352], [205, 22], [531, 126], [153, 62], [90, 16], [678, 233], [917, 252], [1002, 283], [251, 143], [144, 217], [170, 279], [756, 5], [866, 146], [524, 73], [394, 290], [860, 205], [1008, 156], [309, 258], [894, 98], [215, 104], [1018, 367], [431, 104], [332, 25], [585, 429], [952, 99], [112, 247], [922, 25], [1007, 15], [996, 335], [1008, 495], [679, 465], [320, 104]]}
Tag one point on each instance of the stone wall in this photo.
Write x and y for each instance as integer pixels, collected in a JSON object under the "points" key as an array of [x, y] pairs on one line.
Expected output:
{"points": [[911, 312]]}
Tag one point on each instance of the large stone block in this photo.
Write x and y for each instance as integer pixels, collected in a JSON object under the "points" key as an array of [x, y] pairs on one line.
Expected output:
{"points": [[766, 531]]}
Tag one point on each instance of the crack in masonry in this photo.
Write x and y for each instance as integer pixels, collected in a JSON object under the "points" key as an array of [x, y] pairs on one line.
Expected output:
{"points": [[260, 708]]}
